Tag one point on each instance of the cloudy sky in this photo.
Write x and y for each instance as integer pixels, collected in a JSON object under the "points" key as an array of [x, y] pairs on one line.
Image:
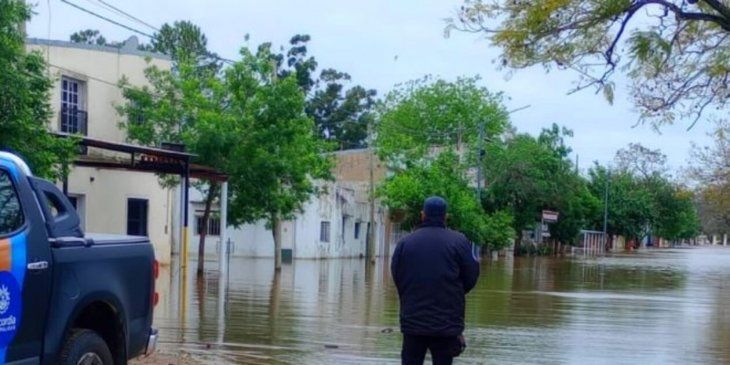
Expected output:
{"points": [[382, 43]]}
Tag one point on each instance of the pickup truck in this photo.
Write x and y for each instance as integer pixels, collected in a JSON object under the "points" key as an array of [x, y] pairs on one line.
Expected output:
{"points": [[67, 297]]}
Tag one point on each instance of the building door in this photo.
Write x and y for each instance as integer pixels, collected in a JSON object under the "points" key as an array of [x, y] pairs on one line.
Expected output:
{"points": [[137, 217]]}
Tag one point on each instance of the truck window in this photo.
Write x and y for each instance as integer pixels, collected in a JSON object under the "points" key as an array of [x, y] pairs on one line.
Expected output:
{"points": [[11, 215]]}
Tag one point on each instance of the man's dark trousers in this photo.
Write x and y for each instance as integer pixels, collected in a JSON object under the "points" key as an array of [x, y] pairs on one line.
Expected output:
{"points": [[443, 349]]}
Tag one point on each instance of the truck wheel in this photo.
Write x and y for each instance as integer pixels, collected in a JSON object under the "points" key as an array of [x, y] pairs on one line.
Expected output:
{"points": [[85, 347]]}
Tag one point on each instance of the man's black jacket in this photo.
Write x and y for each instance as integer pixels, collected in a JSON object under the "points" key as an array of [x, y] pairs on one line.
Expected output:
{"points": [[433, 269]]}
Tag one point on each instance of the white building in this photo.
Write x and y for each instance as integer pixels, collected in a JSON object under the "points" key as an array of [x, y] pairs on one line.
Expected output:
{"points": [[331, 225], [84, 100]]}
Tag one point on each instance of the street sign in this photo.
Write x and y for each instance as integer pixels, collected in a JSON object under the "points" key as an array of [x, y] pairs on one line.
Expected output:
{"points": [[549, 216]]}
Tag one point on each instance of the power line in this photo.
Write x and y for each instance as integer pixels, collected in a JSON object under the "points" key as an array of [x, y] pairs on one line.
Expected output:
{"points": [[150, 36], [129, 16], [108, 20]]}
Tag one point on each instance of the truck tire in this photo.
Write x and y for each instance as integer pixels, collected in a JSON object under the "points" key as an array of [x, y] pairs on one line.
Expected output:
{"points": [[85, 347]]}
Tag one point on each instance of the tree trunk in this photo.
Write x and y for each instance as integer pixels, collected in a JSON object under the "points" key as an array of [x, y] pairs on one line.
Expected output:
{"points": [[518, 243], [276, 231], [212, 192]]}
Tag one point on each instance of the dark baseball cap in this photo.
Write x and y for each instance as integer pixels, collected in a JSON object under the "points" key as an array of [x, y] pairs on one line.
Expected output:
{"points": [[435, 207]]}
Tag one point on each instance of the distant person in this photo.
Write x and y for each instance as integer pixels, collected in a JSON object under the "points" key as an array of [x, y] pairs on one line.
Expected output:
{"points": [[433, 269]]}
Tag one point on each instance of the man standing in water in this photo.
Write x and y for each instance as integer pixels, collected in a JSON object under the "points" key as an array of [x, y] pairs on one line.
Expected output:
{"points": [[433, 269]]}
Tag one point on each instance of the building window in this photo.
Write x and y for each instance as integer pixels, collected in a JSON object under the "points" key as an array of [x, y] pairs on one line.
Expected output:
{"points": [[137, 217], [73, 116], [324, 231], [357, 230], [214, 226], [11, 215]]}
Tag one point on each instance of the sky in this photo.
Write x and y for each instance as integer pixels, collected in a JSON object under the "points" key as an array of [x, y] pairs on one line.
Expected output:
{"points": [[382, 43]]}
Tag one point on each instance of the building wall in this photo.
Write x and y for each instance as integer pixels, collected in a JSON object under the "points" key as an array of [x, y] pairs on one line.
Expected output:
{"points": [[105, 192], [354, 165], [100, 68], [303, 234]]}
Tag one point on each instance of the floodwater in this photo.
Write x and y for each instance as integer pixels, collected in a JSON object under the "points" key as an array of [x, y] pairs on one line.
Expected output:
{"points": [[664, 306]]}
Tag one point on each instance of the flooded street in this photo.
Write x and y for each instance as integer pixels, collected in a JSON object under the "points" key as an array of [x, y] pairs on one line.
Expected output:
{"points": [[654, 306]]}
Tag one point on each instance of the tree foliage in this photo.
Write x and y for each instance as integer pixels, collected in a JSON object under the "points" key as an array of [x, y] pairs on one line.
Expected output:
{"points": [[183, 41], [91, 36], [675, 52], [425, 115], [526, 175], [404, 194], [341, 113], [710, 170], [642, 199], [244, 121], [641, 161], [425, 129], [24, 99]]}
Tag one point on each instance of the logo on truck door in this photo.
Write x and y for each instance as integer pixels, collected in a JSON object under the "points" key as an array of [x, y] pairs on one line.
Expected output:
{"points": [[4, 299], [9, 307]]}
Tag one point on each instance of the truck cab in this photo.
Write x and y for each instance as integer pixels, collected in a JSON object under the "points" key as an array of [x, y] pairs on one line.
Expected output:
{"points": [[67, 297]]}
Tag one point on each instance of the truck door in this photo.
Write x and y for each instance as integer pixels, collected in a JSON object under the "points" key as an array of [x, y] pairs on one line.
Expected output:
{"points": [[25, 269]]}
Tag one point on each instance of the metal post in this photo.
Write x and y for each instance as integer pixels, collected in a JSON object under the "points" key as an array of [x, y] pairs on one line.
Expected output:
{"points": [[186, 218], [223, 262], [184, 253], [605, 209], [371, 231], [223, 252]]}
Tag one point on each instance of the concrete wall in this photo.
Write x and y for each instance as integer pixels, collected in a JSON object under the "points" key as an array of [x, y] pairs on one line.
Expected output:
{"points": [[104, 193]]}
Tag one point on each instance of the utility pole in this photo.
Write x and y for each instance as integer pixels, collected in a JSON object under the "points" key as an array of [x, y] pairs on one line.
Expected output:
{"points": [[605, 209], [371, 227]]}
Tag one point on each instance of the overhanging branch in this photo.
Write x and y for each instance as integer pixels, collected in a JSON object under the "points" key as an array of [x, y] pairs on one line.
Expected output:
{"points": [[719, 7], [723, 21]]}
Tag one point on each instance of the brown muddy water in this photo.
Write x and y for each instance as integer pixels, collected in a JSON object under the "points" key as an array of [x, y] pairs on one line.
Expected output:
{"points": [[648, 307]]}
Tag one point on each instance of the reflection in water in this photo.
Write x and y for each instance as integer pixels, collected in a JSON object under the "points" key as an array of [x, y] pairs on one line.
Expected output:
{"points": [[662, 306]]}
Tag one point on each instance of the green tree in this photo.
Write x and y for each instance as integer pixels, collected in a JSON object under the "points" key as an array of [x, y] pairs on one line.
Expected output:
{"points": [[670, 212], [676, 215], [405, 192], [186, 106], [281, 154], [710, 171], [423, 116], [675, 52], [526, 175], [89, 36], [341, 114], [630, 205], [426, 132], [247, 123], [24, 99], [184, 41]]}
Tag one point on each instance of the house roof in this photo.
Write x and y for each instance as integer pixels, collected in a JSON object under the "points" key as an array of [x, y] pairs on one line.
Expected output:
{"points": [[128, 49]]}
